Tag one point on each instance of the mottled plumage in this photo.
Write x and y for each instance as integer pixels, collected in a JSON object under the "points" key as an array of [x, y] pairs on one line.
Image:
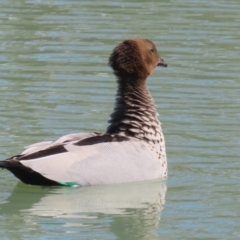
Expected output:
{"points": [[133, 147]]}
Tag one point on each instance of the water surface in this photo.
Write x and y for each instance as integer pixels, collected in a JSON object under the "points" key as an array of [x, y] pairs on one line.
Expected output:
{"points": [[54, 80]]}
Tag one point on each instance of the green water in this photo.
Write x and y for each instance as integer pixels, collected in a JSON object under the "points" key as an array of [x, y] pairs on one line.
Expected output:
{"points": [[54, 80]]}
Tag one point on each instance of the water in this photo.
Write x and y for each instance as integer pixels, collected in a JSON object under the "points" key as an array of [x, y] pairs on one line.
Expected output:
{"points": [[54, 80]]}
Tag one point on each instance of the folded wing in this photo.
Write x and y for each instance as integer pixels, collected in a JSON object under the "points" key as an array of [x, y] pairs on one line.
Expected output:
{"points": [[101, 163]]}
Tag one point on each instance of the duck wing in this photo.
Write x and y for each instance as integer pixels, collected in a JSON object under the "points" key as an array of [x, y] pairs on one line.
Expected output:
{"points": [[39, 150], [96, 160], [33, 148]]}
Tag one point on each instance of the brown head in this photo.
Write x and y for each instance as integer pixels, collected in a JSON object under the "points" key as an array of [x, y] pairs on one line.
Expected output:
{"points": [[135, 59]]}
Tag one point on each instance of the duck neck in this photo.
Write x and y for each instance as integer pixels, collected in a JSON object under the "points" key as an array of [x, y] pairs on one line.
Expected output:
{"points": [[134, 113]]}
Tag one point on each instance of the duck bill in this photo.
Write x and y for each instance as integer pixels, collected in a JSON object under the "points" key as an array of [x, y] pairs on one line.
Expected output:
{"points": [[162, 63]]}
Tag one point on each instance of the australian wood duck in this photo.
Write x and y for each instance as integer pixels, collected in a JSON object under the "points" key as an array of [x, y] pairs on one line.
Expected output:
{"points": [[133, 147]]}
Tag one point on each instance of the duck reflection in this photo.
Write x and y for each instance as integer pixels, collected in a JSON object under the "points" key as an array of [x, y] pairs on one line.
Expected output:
{"points": [[128, 211]]}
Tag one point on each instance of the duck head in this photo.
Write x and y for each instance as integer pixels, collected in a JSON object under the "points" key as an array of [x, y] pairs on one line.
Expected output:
{"points": [[135, 59]]}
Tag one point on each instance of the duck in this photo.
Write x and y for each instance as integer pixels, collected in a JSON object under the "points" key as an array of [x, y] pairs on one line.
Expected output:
{"points": [[131, 149]]}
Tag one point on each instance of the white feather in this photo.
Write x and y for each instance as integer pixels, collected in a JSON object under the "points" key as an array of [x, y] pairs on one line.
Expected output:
{"points": [[103, 163]]}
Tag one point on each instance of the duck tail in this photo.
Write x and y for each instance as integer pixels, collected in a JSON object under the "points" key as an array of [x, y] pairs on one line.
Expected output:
{"points": [[3, 164], [26, 174]]}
